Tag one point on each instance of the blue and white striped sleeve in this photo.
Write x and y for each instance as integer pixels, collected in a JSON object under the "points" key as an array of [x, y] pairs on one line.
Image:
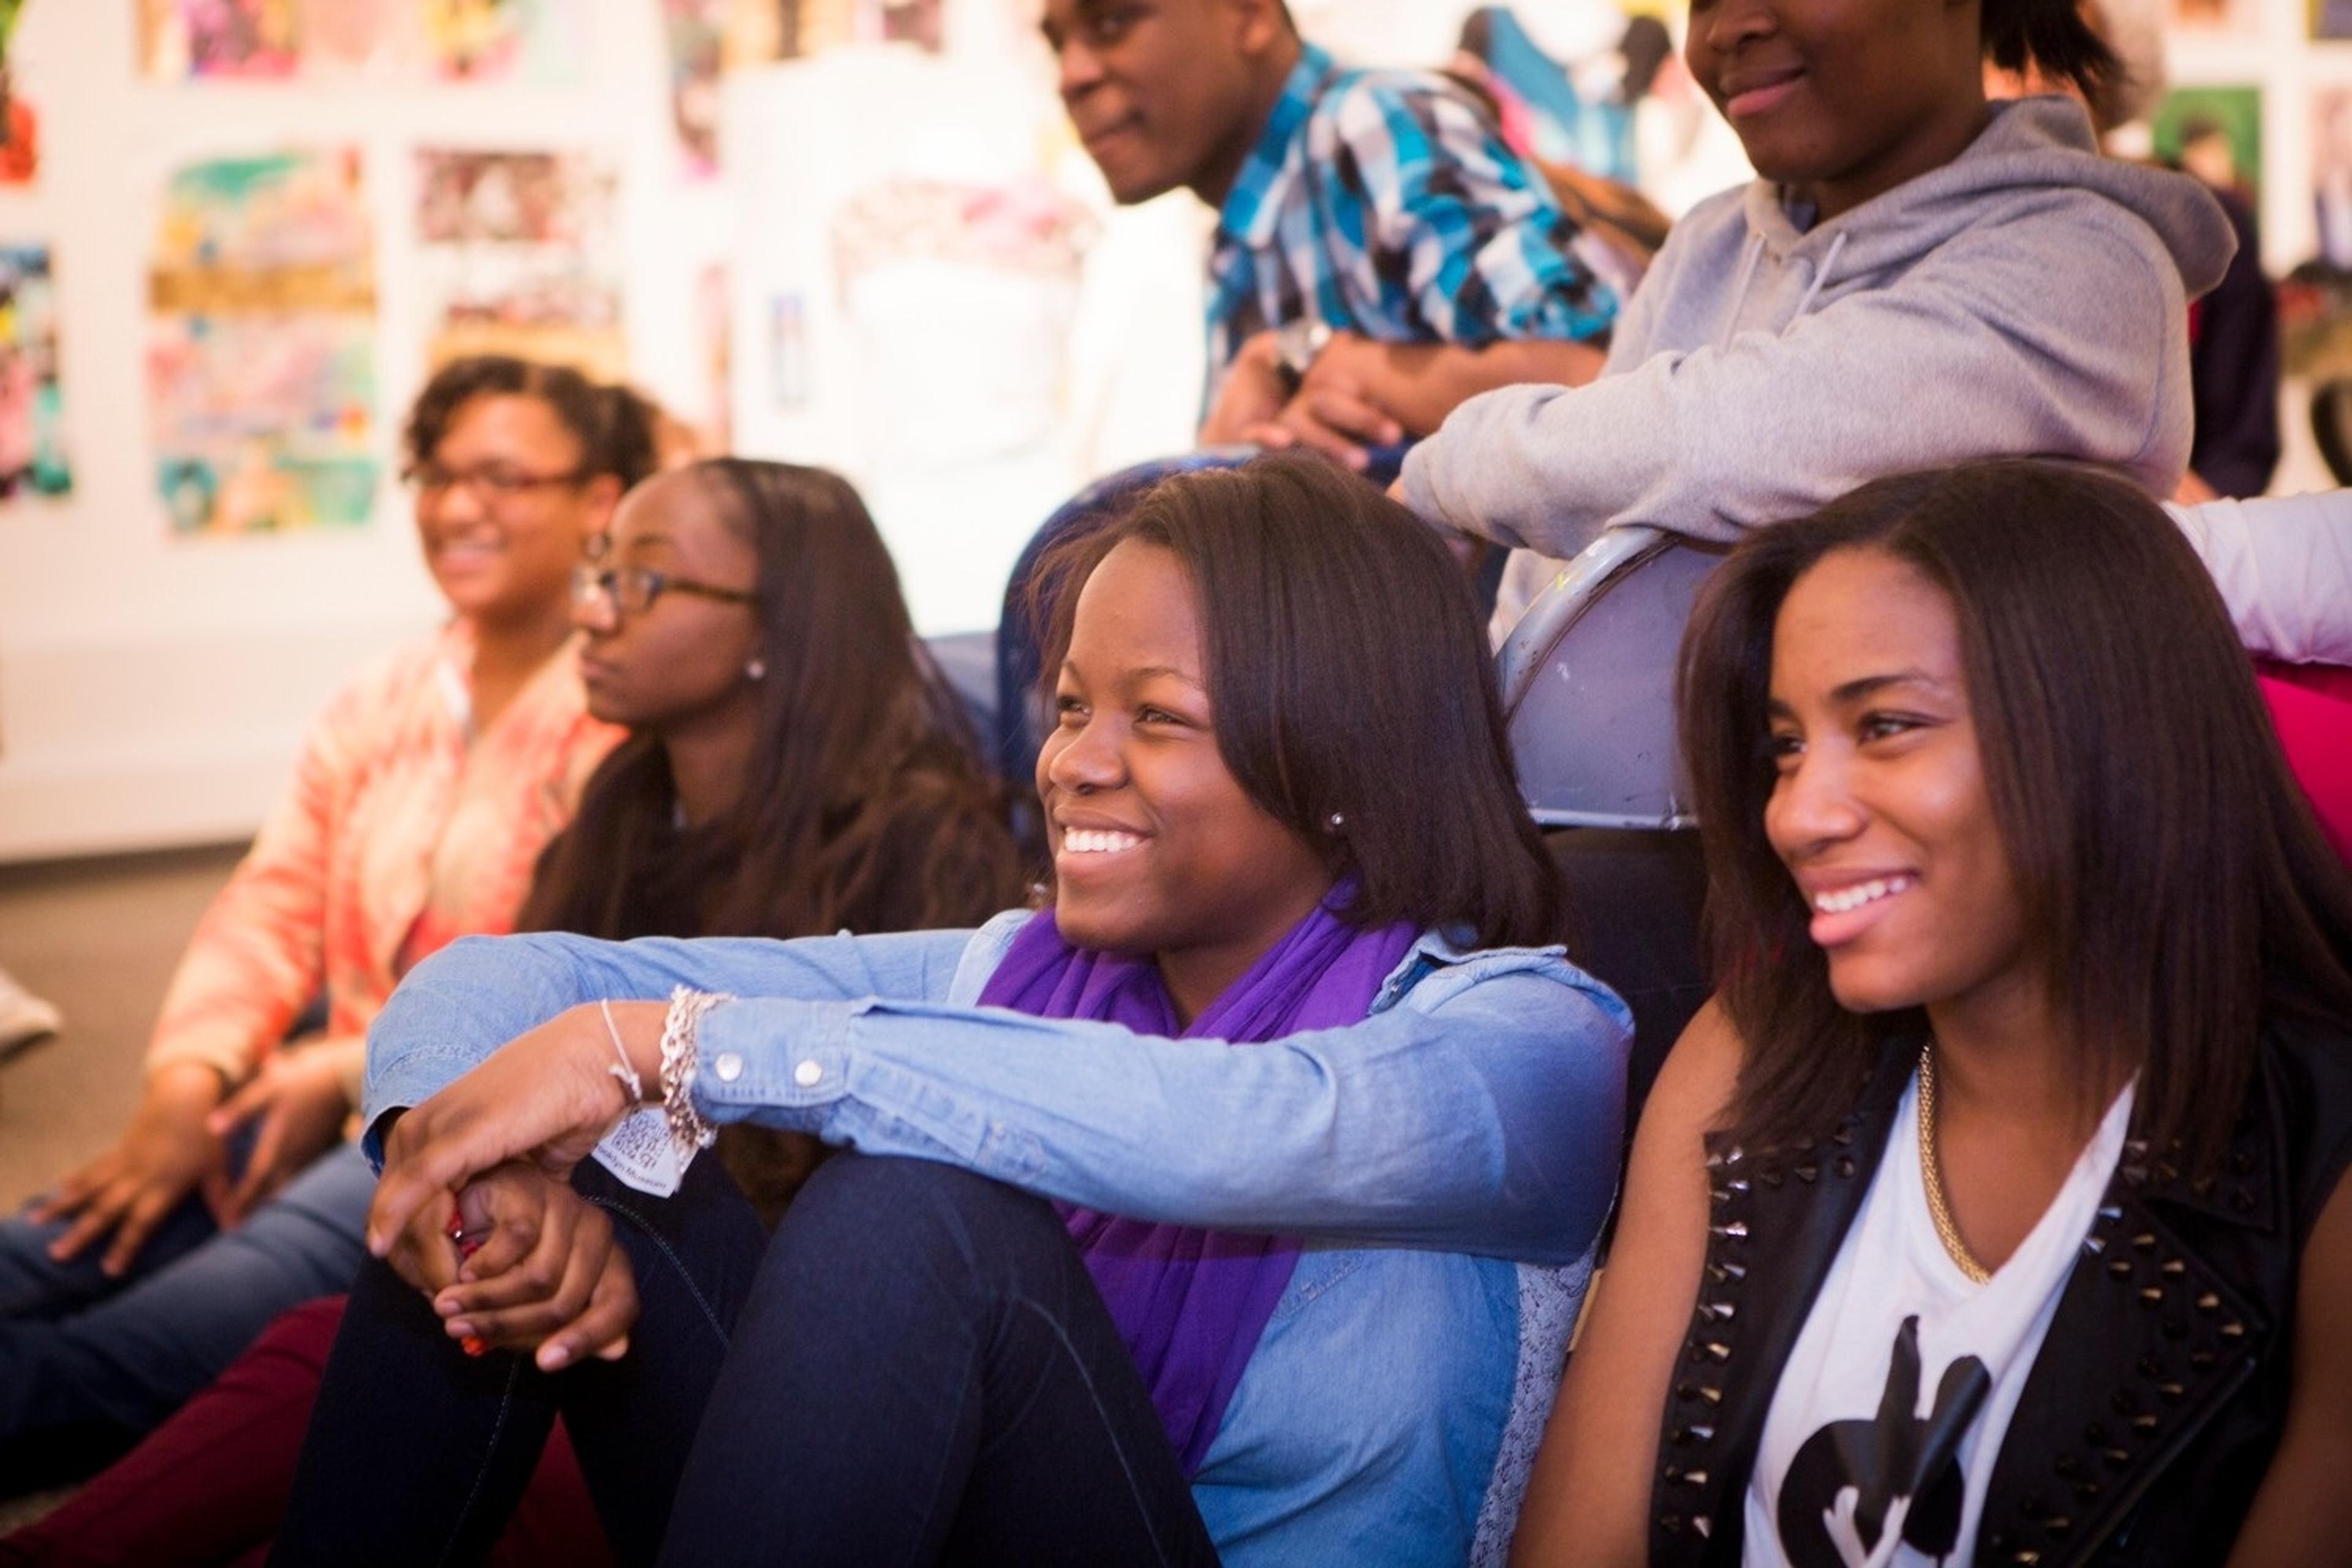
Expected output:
{"points": [[1453, 226]]}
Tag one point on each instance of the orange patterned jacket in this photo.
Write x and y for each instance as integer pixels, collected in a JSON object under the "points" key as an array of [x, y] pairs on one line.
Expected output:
{"points": [[398, 837]]}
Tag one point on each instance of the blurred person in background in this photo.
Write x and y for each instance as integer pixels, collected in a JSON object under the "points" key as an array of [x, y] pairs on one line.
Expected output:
{"points": [[424, 794]]}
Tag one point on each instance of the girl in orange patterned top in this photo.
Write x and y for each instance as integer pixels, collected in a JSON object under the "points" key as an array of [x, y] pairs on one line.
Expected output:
{"points": [[424, 795]]}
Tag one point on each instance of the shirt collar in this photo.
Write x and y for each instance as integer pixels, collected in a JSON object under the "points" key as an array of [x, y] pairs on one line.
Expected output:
{"points": [[1254, 202]]}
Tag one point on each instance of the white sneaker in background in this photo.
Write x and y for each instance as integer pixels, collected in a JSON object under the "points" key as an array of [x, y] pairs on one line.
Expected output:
{"points": [[24, 1017]]}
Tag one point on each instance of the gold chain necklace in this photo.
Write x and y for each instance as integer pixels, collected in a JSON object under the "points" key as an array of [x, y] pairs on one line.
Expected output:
{"points": [[1937, 1210]]}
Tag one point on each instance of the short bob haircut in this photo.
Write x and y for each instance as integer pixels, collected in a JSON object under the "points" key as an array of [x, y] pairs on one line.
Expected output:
{"points": [[613, 426], [2177, 889], [1348, 674]]}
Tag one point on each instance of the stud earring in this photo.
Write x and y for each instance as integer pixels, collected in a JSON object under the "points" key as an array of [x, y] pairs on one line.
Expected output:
{"points": [[757, 669], [1335, 822]]}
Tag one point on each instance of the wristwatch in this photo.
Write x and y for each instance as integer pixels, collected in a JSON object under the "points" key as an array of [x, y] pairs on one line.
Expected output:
{"points": [[1295, 344]]}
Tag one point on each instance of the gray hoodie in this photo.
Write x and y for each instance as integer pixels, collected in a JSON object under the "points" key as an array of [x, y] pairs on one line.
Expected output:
{"points": [[2028, 297]]}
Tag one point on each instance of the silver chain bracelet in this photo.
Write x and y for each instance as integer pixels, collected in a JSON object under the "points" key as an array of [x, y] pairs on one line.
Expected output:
{"points": [[679, 1057]]}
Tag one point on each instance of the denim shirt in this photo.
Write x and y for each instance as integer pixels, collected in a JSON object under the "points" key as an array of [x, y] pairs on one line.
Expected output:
{"points": [[1449, 1161]]}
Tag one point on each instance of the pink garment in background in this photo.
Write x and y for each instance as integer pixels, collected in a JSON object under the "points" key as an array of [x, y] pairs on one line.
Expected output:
{"points": [[2311, 707]]}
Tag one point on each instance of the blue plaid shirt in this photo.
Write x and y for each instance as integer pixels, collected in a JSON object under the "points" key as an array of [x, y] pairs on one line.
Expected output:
{"points": [[1386, 204]]}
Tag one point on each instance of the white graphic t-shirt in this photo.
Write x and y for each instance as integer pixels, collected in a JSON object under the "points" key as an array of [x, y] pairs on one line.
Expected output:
{"points": [[1890, 1412]]}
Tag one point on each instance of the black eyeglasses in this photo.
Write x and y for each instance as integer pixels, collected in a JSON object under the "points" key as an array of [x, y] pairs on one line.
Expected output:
{"points": [[633, 590], [492, 484]]}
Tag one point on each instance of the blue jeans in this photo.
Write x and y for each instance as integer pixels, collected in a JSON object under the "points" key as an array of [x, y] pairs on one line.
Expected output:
{"points": [[89, 1364], [916, 1369]]}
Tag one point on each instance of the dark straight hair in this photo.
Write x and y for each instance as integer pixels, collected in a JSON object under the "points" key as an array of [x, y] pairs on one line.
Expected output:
{"points": [[1349, 675], [866, 806], [2176, 887], [2053, 35], [613, 426]]}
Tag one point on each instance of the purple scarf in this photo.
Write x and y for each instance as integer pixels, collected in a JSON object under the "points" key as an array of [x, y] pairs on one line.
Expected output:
{"points": [[1190, 1303]]}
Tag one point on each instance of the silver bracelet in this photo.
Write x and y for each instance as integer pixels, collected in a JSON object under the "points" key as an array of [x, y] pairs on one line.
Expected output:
{"points": [[621, 1068], [679, 1059]]}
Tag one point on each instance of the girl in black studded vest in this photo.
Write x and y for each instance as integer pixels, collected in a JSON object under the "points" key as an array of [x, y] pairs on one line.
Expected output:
{"points": [[1994, 1211]]}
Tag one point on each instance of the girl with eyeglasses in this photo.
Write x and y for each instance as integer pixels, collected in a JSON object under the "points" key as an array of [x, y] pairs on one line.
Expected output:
{"points": [[423, 796], [794, 767]]}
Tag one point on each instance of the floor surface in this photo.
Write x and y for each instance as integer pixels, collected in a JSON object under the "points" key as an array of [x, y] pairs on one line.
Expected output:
{"points": [[96, 938]]}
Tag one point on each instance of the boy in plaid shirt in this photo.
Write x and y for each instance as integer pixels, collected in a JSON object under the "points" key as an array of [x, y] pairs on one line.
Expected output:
{"points": [[1381, 253]]}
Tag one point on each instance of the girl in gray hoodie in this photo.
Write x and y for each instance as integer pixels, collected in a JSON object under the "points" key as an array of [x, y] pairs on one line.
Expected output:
{"points": [[1918, 277]]}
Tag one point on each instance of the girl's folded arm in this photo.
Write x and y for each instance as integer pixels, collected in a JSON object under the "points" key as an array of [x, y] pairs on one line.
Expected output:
{"points": [[1482, 1117]]}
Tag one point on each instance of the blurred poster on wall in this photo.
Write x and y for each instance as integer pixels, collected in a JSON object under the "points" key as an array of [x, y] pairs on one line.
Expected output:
{"points": [[2214, 133], [2331, 174], [714, 325], [20, 146], [696, 34], [185, 38], [261, 344], [2213, 15], [32, 409], [518, 252], [958, 295], [761, 31], [530, 40], [920, 282], [538, 40], [2316, 299]]}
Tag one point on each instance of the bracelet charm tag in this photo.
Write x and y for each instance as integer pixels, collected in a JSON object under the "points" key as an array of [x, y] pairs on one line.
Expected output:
{"points": [[642, 1154]]}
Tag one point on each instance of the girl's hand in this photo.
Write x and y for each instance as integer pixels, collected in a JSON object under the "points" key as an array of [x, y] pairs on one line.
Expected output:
{"points": [[549, 1097], [546, 1277], [163, 1155], [1252, 395], [297, 1097]]}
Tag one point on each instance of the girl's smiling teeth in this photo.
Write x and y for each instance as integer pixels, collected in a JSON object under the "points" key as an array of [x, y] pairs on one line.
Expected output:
{"points": [[1096, 840], [468, 547], [1837, 900]]}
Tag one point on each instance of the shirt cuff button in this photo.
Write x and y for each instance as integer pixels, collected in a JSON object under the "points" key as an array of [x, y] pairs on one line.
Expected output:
{"points": [[729, 1066], [808, 1074]]}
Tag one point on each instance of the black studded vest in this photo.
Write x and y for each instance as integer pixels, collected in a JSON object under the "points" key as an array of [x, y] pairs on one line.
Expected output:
{"points": [[2151, 1414]]}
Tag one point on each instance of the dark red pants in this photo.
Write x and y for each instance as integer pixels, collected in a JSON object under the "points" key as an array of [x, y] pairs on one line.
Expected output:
{"points": [[209, 1486]]}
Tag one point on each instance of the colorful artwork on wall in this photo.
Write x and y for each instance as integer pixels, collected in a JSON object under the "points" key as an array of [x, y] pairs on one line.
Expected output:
{"points": [[519, 253], [948, 291], [20, 146], [261, 344], [696, 33], [2215, 133], [185, 38], [445, 40], [536, 39], [32, 412], [760, 31], [2213, 15], [714, 330], [20, 132], [2331, 174]]}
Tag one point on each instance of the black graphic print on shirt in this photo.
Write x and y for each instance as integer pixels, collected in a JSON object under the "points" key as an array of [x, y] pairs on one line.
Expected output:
{"points": [[1853, 1481]]}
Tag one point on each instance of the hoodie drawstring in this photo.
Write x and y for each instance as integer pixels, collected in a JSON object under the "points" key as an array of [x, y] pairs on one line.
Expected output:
{"points": [[1740, 290], [1836, 244], [1748, 265]]}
